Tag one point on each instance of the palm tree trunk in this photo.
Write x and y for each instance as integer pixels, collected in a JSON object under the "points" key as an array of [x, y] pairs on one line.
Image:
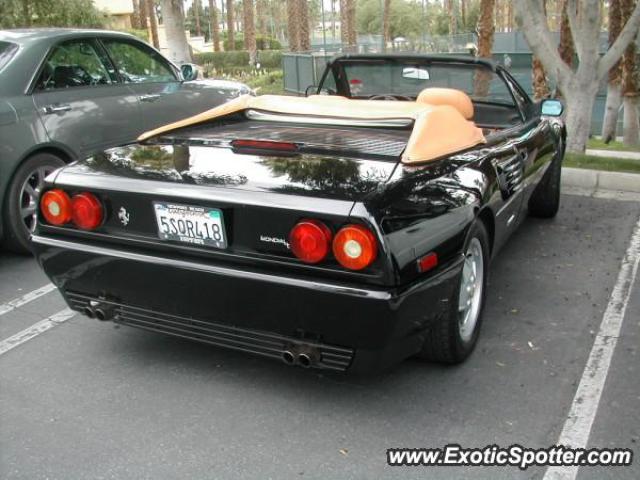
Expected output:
{"points": [[231, 27], [196, 16], [303, 29], [344, 37], [486, 30], [249, 30], [451, 11], [153, 22], [386, 25], [631, 125], [463, 13], [173, 20], [352, 40], [614, 88], [135, 16], [261, 24], [142, 15], [293, 25], [215, 28]]}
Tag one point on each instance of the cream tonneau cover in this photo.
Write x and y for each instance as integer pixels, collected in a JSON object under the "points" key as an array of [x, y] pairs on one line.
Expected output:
{"points": [[438, 130]]}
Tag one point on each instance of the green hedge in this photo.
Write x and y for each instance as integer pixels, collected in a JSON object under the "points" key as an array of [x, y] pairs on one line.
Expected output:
{"points": [[239, 59]]}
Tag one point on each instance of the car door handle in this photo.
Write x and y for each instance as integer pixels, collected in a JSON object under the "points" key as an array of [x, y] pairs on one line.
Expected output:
{"points": [[148, 98], [50, 109]]}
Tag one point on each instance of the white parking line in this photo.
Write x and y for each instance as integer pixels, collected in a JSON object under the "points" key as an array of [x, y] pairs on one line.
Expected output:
{"points": [[35, 330], [26, 298], [577, 427]]}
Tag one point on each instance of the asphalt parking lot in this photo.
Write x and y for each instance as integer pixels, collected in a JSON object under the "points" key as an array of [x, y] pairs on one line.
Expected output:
{"points": [[87, 400]]}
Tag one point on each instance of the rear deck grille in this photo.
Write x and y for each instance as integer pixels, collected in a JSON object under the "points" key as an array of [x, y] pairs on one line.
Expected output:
{"points": [[359, 141], [246, 340]]}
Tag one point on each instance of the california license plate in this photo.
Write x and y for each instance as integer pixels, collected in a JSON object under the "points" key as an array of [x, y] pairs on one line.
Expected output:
{"points": [[190, 224]]}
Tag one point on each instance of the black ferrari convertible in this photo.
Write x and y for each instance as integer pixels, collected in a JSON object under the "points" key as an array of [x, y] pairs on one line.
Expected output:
{"points": [[347, 230]]}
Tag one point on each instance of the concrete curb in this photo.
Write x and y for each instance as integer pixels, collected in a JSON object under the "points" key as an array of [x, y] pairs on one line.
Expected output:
{"points": [[600, 180], [613, 154]]}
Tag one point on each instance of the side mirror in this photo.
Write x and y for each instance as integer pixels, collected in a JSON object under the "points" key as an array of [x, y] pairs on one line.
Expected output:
{"points": [[551, 108], [311, 90], [189, 71]]}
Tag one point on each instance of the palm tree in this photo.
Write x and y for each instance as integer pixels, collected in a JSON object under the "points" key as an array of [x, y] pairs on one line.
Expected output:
{"points": [[248, 22], [486, 29], [293, 25], [631, 124], [153, 21], [215, 28], [196, 16], [451, 12], [143, 15], [173, 19], [386, 25], [231, 28], [303, 29], [348, 23], [614, 87]]}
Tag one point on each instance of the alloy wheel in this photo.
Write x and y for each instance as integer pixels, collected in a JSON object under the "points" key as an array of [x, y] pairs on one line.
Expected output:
{"points": [[471, 286], [29, 195]]}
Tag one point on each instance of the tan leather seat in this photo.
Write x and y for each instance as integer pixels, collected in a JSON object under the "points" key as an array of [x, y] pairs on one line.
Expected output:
{"points": [[447, 96]]}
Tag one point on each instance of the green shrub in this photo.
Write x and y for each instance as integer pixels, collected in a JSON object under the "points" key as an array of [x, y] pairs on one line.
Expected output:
{"points": [[270, 58], [267, 43], [239, 44], [239, 59]]}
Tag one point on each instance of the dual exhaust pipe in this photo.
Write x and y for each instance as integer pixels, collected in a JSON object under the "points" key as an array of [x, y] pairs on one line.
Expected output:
{"points": [[304, 356], [99, 311]]}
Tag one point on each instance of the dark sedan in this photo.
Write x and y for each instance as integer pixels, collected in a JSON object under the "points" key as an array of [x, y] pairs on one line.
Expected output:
{"points": [[65, 94], [328, 232]]}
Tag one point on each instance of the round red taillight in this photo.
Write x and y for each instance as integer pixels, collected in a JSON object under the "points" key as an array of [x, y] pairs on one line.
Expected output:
{"points": [[355, 247], [55, 206], [310, 241], [86, 211]]}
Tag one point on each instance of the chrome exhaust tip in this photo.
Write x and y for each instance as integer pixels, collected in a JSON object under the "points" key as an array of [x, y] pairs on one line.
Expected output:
{"points": [[88, 312], [288, 357], [304, 360], [104, 314]]}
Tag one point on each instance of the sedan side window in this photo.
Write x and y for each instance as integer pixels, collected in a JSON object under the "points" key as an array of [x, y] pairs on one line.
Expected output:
{"points": [[77, 63], [138, 64]]}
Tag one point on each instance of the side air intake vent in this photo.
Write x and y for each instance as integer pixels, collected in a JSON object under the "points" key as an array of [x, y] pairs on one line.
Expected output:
{"points": [[510, 175]]}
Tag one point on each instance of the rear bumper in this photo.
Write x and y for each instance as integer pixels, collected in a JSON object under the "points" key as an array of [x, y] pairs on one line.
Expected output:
{"points": [[351, 328]]}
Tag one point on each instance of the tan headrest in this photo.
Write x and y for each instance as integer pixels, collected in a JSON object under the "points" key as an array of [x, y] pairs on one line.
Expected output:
{"points": [[447, 96]]}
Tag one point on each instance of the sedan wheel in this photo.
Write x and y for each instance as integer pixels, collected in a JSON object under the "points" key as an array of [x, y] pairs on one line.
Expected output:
{"points": [[29, 195], [21, 207]]}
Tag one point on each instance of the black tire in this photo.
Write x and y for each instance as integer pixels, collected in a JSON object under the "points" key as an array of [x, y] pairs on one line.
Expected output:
{"points": [[17, 230], [545, 200], [443, 341]]}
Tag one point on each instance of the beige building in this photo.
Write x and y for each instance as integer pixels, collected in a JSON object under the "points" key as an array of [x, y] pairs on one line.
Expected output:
{"points": [[119, 12]]}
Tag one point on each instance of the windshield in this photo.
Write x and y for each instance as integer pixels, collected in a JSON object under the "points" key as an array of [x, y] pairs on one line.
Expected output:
{"points": [[7, 51], [366, 79]]}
